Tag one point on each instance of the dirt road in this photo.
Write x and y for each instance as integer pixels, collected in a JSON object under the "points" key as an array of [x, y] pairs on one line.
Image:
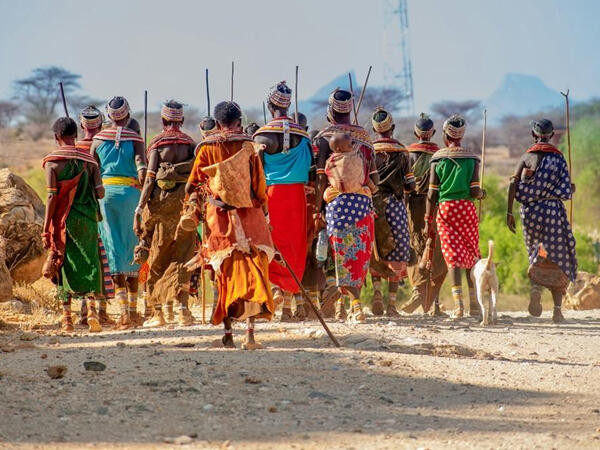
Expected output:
{"points": [[410, 383]]}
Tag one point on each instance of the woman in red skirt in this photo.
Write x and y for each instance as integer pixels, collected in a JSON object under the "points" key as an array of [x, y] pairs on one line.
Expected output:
{"points": [[453, 184]]}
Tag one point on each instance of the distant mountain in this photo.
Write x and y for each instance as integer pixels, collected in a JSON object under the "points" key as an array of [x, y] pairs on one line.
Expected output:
{"points": [[521, 95]]}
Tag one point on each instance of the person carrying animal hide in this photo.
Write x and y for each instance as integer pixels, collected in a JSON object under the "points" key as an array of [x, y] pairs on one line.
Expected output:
{"points": [[238, 242], [286, 153], [121, 155], [70, 230], [391, 224], [541, 184], [349, 215], [453, 184], [420, 154], [166, 248]]}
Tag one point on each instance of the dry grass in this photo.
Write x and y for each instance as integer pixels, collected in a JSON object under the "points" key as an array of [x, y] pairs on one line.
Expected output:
{"points": [[42, 307]]}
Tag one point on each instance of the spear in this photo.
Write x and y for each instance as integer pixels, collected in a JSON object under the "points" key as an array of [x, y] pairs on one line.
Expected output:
{"points": [[145, 119], [207, 95], [566, 96], [264, 113], [231, 80], [482, 169], [352, 92], [362, 93], [64, 100], [296, 97]]}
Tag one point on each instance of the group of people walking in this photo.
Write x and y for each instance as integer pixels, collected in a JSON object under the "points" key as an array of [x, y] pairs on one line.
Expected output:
{"points": [[268, 211]]}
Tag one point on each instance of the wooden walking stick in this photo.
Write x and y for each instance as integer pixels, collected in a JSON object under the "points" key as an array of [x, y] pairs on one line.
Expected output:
{"points": [[231, 80], [307, 299], [145, 119], [482, 168], [264, 113], [352, 92], [207, 95], [566, 96], [296, 97], [64, 100], [362, 94]]}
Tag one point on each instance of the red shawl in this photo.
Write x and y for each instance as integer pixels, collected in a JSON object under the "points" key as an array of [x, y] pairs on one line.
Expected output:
{"points": [[388, 145], [543, 147], [170, 136], [127, 134], [69, 152], [84, 145], [425, 147], [58, 223]]}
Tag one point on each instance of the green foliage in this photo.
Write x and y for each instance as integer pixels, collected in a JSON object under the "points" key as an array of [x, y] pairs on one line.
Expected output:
{"points": [[585, 147], [36, 178]]}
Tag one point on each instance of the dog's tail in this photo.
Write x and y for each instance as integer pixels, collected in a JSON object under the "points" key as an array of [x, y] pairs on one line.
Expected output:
{"points": [[490, 255]]}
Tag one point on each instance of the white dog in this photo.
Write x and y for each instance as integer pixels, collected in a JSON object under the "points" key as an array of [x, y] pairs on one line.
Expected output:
{"points": [[484, 276]]}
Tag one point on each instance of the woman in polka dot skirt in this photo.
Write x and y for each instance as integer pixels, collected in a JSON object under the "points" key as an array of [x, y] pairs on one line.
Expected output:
{"points": [[396, 179], [541, 183], [453, 184]]}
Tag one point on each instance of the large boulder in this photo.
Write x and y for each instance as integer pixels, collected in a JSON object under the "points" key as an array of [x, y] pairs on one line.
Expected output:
{"points": [[584, 293], [21, 223]]}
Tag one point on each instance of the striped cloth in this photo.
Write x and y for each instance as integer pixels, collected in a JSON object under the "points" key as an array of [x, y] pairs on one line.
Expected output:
{"points": [[109, 288]]}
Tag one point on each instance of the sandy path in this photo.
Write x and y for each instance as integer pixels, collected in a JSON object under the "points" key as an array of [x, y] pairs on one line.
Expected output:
{"points": [[411, 383]]}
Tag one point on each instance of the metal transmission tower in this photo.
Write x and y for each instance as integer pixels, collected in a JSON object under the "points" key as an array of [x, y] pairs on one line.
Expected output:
{"points": [[397, 69]]}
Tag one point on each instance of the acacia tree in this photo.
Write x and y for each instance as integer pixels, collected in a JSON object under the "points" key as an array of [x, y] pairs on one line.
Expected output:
{"points": [[39, 93], [8, 111]]}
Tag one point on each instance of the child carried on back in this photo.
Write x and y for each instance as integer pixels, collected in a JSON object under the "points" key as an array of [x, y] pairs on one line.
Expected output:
{"points": [[345, 169]]}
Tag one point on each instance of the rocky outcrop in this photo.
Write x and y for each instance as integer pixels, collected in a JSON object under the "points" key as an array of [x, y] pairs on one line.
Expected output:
{"points": [[21, 222], [584, 293]]}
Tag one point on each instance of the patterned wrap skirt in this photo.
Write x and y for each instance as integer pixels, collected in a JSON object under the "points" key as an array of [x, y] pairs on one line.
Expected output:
{"points": [[458, 227], [351, 229]]}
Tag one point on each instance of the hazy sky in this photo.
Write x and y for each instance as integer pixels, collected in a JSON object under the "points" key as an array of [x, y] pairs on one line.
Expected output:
{"points": [[460, 48]]}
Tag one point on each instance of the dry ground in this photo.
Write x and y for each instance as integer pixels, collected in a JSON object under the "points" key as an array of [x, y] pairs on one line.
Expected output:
{"points": [[415, 382]]}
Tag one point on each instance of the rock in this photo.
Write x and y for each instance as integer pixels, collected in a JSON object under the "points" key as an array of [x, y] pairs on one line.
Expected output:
{"points": [[12, 306], [207, 407], [584, 293], [94, 366], [322, 395], [29, 336], [56, 372], [21, 222], [185, 345], [251, 380]]}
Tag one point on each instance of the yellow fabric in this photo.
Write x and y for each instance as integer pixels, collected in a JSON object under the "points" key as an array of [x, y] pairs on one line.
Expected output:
{"points": [[244, 288], [332, 193], [120, 181]]}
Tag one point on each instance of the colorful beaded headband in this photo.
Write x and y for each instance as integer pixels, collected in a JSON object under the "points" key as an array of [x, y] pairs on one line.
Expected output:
{"points": [[279, 97]]}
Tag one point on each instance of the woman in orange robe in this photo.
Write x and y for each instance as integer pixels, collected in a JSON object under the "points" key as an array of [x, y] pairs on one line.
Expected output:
{"points": [[238, 244]]}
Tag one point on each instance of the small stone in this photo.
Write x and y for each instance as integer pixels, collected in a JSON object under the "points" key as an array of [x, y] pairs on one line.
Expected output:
{"points": [[121, 344], [207, 407], [185, 345], [94, 366], [250, 380], [43, 356], [272, 409], [182, 440], [53, 340], [102, 410], [56, 372], [29, 336]]}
